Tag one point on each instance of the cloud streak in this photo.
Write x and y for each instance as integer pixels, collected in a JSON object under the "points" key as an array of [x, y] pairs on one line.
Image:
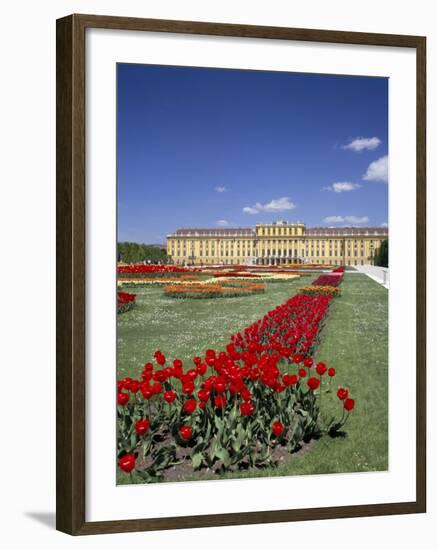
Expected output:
{"points": [[356, 220], [342, 186], [362, 144], [275, 205], [220, 189]]}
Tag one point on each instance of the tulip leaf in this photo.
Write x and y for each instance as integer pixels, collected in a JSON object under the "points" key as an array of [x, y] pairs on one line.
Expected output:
{"points": [[196, 459], [223, 455]]}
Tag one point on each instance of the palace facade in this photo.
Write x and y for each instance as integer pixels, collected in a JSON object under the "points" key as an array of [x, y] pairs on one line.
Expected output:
{"points": [[276, 243]]}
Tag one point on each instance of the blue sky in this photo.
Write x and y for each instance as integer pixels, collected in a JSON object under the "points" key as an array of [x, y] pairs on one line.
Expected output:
{"points": [[201, 147]]}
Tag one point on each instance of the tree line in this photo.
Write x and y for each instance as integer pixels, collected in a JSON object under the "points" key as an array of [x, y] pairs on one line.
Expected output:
{"points": [[136, 253], [381, 254]]}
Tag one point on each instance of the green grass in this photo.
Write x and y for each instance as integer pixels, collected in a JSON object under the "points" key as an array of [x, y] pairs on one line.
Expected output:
{"points": [[354, 341], [185, 328]]}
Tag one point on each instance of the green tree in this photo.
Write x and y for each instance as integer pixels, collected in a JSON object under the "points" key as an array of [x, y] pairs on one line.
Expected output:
{"points": [[381, 254], [134, 253]]}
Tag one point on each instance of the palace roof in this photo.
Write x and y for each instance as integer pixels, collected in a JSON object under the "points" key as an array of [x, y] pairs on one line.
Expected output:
{"points": [[343, 231], [219, 232]]}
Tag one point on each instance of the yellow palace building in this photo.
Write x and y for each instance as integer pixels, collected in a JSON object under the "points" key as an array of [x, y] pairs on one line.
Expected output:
{"points": [[276, 243]]}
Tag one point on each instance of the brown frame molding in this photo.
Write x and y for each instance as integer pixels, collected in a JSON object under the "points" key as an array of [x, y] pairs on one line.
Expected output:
{"points": [[70, 275]]}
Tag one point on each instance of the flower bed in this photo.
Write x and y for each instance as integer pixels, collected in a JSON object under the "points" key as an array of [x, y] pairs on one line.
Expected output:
{"points": [[241, 274], [280, 277], [329, 279], [227, 289], [144, 281], [142, 270], [320, 289], [271, 276], [236, 407], [125, 301], [265, 277]]}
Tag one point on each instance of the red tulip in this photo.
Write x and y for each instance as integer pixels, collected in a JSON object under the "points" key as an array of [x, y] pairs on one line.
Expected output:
{"points": [[203, 395], [191, 374], [146, 391], [308, 362], [159, 358], [142, 426], [277, 428], [297, 358], [247, 408], [289, 379], [313, 383], [169, 396], [302, 373], [160, 376], [122, 398], [186, 432], [349, 404], [189, 406], [148, 367], [156, 388], [220, 401], [342, 393], [331, 372], [201, 369], [321, 368], [134, 386], [219, 387], [127, 462], [245, 394], [188, 387]]}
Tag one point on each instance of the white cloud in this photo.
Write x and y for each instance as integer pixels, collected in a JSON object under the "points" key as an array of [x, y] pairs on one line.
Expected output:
{"points": [[275, 205], [361, 144], [342, 186], [222, 223], [377, 170], [333, 219], [347, 219], [220, 189], [250, 210], [384, 224]]}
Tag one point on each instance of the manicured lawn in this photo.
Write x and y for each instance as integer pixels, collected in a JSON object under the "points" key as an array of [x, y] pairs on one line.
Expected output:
{"points": [[354, 341]]}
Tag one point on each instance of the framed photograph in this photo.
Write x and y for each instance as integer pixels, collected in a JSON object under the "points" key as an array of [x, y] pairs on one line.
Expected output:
{"points": [[240, 274]]}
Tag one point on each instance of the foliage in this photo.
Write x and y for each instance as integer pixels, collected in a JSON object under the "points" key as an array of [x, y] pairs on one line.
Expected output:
{"points": [[381, 254], [135, 252]]}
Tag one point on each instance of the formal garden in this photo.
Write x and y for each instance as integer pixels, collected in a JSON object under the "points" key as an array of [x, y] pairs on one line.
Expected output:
{"points": [[249, 372]]}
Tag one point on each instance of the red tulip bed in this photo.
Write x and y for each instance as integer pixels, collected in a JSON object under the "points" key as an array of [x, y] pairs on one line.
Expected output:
{"points": [[236, 408], [329, 279], [142, 270], [125, 301]]}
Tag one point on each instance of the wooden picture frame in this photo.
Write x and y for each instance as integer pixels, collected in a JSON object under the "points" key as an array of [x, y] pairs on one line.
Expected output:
{"points": [[71, 248]]}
